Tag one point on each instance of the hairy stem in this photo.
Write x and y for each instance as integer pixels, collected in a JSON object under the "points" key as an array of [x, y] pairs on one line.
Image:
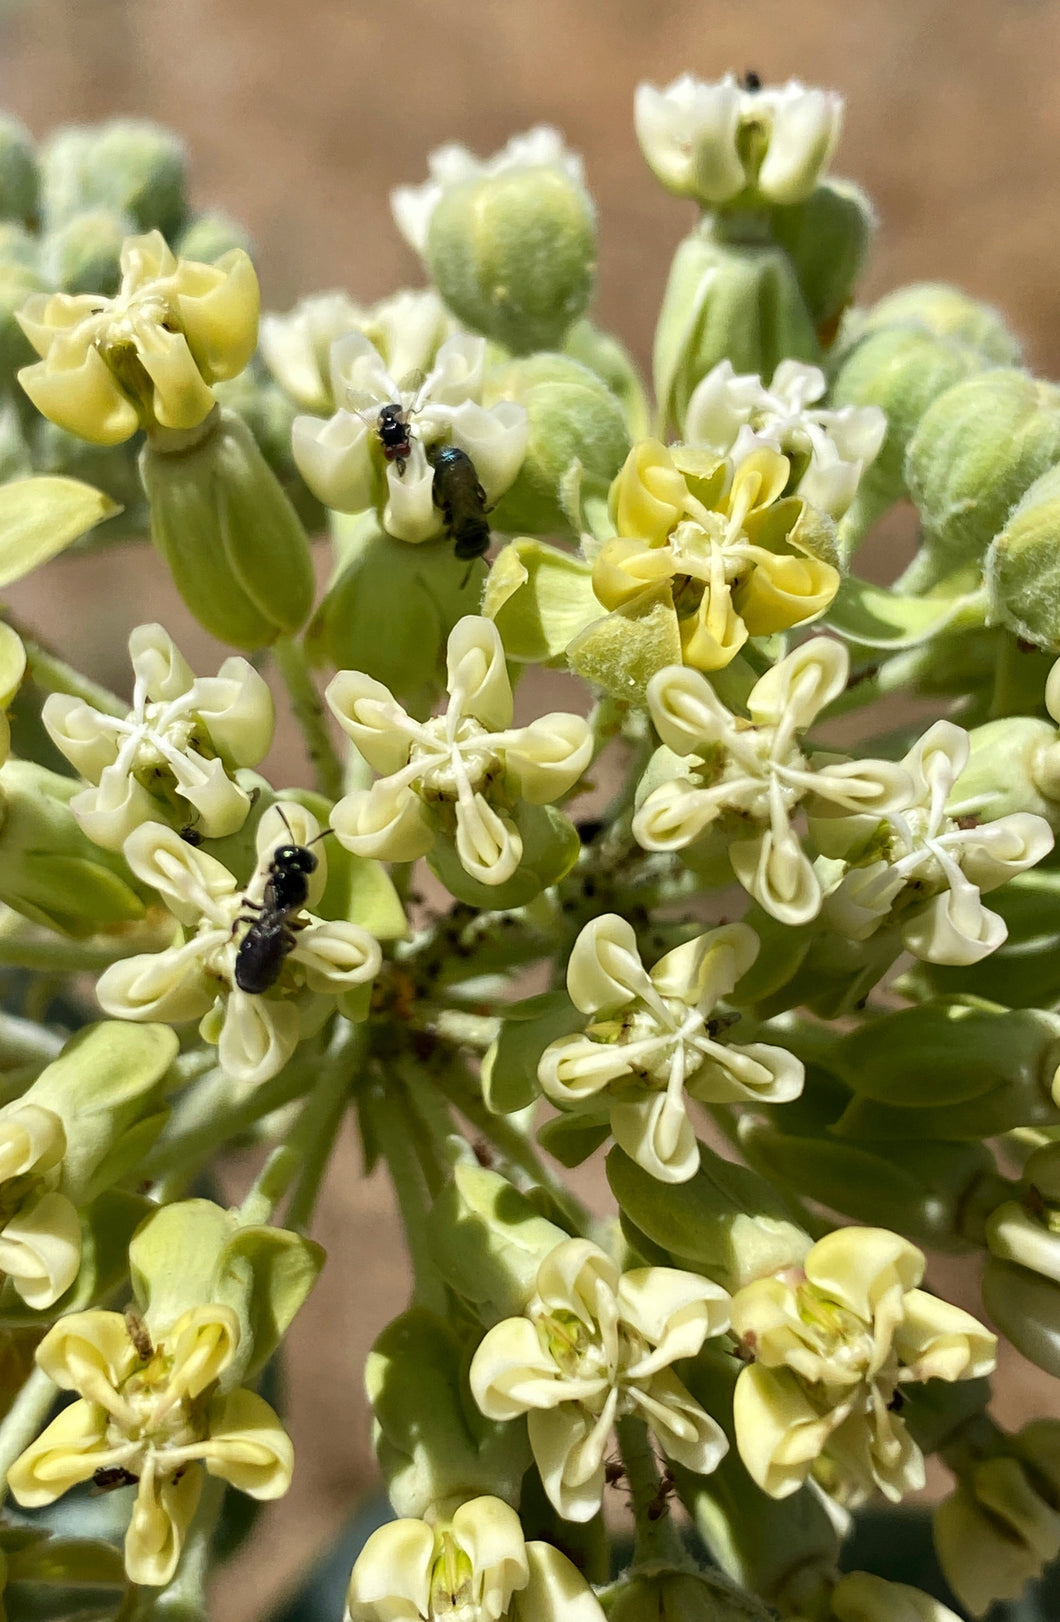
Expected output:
{"points": [[290, 656], [656, 1537]]}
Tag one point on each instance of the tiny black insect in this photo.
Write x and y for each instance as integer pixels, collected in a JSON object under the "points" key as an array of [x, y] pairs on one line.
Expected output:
{"points": [[191, 836], [392, 426], [111, 1476], [272, 935], [460, 496], [751, 81]]}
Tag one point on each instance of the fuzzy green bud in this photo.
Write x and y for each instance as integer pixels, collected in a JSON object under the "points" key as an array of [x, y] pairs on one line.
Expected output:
{"points": [[510, 243], [82, 254], [977, 448], [390, 607], [433, 1445], [208, 236], [233, 542], [50, 871], [948, 313], [727, 299], [901, 369], [827, 238], [488, 1241], [1013, 765], [656, 1592], [1023, 565], [603, 353], [726, 1221], [576, 423], [19, 175], [129, 165]]}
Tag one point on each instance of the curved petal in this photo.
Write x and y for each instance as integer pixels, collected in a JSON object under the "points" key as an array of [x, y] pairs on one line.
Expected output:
{"points": [[162, 1513], [334, 458], [172, 986], [938, 1341], [800, 686], [687, 713], [604, 970], [778, 1431], [569, 1444], [477, 677], [510, 1373], [575, 1068], [69, 1451], [954, 928], [779, 875], [556, 1591], [189, 881], [201, 1344], [657, 1134], [337, 955], [258, 1036], [369, 714], [237, 709], [80, 733], [488, 843], [391, 1577], [674, 815], [683, 1430], [40, 1250], [860, 1267], [489, 1532], [675, 1311], [383, 821], [248, 1446], [495, 440], [704, 970], [547, 757], [111, 812]]}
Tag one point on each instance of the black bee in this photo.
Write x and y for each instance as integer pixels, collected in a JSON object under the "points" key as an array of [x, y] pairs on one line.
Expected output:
{"points": [[460, 496], [392, 426], [108, 1477], [751, 81], [272, 935]]}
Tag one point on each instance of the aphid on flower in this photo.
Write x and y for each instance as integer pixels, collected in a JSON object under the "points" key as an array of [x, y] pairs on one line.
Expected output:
{"points": [[462, 500], [273, 934]]}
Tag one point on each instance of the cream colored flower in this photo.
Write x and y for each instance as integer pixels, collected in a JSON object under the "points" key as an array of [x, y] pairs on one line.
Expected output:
{"points": [[342, 459], [832, 1347], [927, 863], [653, 1040], [158, 1413], [256, 1033], [472, 1566], [174, 752], [596, 1344], [714, 141], [454, 165], [40, 1231], [456, 775], [750, 778], [148, 356], [828, 450]]}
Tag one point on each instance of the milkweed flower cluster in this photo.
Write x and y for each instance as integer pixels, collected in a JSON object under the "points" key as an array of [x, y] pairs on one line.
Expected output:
{"points": [[694, 896]]}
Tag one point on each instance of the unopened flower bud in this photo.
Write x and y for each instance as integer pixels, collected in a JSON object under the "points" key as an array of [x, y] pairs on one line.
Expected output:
{"points": [[576, 426], [900, 368], [860, 1596], [948, 312], [603, 354], [977, 449], [1013, 765], [82, 255], [209, 236], [510, 242], [50, 871], [1024, 1304], [827, 238], [489, 1241], [661, 1593], [236, 548], [130, 165], [19, 176], [727, 300], [1023, 565]]}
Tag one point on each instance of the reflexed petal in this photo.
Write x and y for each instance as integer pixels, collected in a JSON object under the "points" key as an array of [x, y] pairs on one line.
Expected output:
{"points": [[556, 1590], [860, 1267], [181, 398], [385, 822], [649, 494], [40, 1250], [510, 1373], [84, 399], [756, 1071], [684, 1432], [786, 591], [222, 805], [258, 1036], [604, 970], [370, 714], [577, 1276], [778, 1431], [938, 1341], [159, 663], [548, 756], [996, 851], [391, 1578], [219, 306], [713, 636], [248, 1446], [338, 955], [675, 1311], [32, 1138]]}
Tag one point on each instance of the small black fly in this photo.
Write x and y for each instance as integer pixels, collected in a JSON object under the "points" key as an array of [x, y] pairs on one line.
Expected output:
{"points": [[392, 426]]}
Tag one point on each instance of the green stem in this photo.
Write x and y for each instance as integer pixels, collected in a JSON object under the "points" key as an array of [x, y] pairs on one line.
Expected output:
{"points": [[204, 1121], [290, 656], [390, 1123], [656, 1536], [59, 957], [24, 1421]]}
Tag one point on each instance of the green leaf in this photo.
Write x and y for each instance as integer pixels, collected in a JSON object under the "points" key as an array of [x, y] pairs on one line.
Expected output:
{"points": [[573, 1138], [509, 1068], [879, 618], [42, 516]]}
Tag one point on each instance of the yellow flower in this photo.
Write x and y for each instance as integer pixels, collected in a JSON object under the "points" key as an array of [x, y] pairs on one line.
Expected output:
{"points": [[148, 356], [739, 558], [156, 1413], [832, 1348]]}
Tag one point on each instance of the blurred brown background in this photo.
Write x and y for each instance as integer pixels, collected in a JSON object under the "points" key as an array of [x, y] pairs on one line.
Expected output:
{"points": [[300, 117]]}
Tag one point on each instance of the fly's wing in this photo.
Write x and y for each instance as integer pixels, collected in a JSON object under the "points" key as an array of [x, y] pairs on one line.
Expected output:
{"points": [[410, 388]]}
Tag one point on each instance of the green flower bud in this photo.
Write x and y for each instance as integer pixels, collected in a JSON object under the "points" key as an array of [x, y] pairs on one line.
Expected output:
{"points": [[208, 236], [193, 1253], [231, 538], [488, 1241], [605, 355], [390, 607], [735, 300], [269, 413], [19, 177], [726, 1222], [901, 369], [433, 1445], [977, 448], [1025, 1307], [656, 1592], [948, 313], [927, 1188], [510, 243], [50, 871], [129, 165], [1010, 769], [827, 239], [17, 245], [81, 255], [1023, 565], [575, 422]]}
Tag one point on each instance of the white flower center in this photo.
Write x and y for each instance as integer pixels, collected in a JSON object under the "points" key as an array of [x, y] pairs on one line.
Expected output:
{"points": [[451, 755]]}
